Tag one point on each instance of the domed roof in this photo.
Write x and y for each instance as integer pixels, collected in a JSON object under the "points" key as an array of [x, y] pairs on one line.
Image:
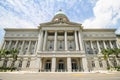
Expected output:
{"points": [[60, 17]]}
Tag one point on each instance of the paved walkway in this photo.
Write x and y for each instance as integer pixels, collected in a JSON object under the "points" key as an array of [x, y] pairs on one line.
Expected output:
{"points": [[59, 76]]}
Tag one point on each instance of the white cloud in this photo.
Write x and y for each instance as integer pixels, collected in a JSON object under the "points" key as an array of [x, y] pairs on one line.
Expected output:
{"points": [[24, 13], [106, 14]]}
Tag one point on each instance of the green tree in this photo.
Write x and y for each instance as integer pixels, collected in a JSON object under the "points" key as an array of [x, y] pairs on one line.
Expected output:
{"points": [[116, 52], [5, 54], [106, 53], [14, 55]]}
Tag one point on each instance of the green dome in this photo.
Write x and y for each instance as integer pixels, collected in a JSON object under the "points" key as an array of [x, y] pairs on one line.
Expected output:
{"points": [[60, 15]]}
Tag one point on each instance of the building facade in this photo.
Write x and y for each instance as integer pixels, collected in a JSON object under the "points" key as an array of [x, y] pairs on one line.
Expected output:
{"points": [[60, 46]]}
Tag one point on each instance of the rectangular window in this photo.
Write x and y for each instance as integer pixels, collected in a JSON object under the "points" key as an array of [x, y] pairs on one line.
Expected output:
{"points": [[50, 45], [61, 45]]}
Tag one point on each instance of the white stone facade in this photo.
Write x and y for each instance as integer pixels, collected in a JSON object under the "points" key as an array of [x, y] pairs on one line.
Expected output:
{"points": [[60, 46]]}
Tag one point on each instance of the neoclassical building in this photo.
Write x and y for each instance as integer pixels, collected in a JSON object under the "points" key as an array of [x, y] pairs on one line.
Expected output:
{"points": [[60, 46]]}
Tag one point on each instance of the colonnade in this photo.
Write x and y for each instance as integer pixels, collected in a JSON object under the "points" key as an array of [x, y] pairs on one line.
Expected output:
{"points": [[43, 40], [23, 46]]}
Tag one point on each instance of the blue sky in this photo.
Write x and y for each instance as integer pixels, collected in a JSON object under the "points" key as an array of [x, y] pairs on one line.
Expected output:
{"points": [[30, 13]]}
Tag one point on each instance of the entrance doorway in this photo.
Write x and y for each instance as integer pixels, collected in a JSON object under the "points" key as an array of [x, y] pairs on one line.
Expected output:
{"points": [[74, 65], [61, 66], [48, 65]]}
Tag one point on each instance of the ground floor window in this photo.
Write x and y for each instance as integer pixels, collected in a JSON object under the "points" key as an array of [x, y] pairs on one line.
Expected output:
{"points": [[61, 64], [48, 65], [74, 64]]}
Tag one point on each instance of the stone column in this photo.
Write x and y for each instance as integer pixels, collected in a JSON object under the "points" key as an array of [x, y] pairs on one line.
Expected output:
{"points": [[39, 64], [40, 39], [9, 44], [28, 51], [98, 45], [55, 41], [66, 48], [92, 47], [76, 41], [104, 45], [80, 41], [85, 64], [16, 44], [117, 44], [35, 46], [91, 44], [69, 64], [17, 63], [104, 64], [24, 63], [22, 46], [45, 40], [4, 45], [111, 46], [9, 62], [1, 63], [53, 64], [97, 66], [118, 63]]}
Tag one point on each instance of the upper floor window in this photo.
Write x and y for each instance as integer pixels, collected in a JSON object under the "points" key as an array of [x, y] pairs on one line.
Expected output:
{"points": [[70, 45], [50, 45], [60, 45]]}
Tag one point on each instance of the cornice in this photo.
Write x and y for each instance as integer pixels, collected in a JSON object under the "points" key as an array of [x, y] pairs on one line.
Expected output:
{"points": [[21, 29], [99, 30]]}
